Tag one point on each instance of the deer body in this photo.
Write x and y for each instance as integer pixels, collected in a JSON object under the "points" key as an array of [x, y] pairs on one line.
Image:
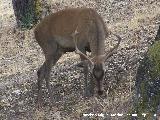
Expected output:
{"points": [[68, 30], [58, 27]]}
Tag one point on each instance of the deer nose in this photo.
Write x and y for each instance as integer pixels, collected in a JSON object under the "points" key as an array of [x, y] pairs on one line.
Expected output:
{"points": [[100, 92]]}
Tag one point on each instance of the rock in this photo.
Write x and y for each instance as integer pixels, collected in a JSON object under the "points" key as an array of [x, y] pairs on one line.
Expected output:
{"points": [[147, 98], [17, 92]]}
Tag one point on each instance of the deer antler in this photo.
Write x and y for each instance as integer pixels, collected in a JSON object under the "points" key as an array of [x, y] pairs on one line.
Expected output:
{"points": [[77, 51], [114, 49]]}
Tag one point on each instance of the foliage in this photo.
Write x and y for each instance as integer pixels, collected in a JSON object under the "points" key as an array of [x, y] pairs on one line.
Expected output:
{"points": [[154, 55], [148, 84], [38, 9], [27, 12]]}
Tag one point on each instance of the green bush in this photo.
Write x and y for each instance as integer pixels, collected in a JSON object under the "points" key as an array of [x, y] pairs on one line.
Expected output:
{"points": [[147, 96], [154, 55]]}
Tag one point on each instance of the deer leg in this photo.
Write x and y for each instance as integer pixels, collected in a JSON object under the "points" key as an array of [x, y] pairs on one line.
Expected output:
{"points": [[91, 85], [51, 60], [52, 54], [44, 73], [89, 88], [40, 74], [85, 71], [47, 75]]}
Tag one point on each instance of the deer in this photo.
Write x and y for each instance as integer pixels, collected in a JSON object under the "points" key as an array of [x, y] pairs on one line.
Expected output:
{"points": [[74, 29]]}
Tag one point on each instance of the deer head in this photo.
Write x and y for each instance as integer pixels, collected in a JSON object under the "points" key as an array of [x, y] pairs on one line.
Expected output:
{"points": [[96, 64]]}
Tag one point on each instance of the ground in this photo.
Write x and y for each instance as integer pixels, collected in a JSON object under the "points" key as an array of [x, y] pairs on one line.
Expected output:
{"points": [[135, 21]]}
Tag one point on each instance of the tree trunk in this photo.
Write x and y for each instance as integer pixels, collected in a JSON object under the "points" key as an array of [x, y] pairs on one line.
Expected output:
{"points": [[27, 12]]}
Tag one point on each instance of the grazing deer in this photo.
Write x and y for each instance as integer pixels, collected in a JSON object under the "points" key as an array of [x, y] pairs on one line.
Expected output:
{"points": [[75, 29]]}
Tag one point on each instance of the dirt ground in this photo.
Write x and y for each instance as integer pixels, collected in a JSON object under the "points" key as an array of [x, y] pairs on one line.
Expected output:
{"points": [[135, 21]]}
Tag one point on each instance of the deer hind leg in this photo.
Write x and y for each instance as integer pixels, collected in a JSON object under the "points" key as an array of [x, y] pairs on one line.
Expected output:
{"points": [[40, 74], [52, 55], [50, 61], [91, 85]]}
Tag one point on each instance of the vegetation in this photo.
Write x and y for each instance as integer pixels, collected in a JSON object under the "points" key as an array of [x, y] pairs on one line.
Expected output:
{"points": [[27, 12], [148, 83], [134, 21]]}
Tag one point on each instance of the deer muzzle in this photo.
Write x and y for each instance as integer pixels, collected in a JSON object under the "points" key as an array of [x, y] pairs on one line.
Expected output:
{"points": [[100, 87]]}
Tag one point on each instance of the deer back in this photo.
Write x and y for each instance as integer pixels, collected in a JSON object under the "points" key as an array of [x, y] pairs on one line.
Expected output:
{"points": [[59, 27]]}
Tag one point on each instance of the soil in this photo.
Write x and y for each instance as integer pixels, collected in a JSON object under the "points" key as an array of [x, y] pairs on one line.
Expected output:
{"points": [[135, 21]]}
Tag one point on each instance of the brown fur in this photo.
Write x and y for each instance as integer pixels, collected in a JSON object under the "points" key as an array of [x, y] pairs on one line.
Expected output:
{"points": [[59, 26], [54, 35]]}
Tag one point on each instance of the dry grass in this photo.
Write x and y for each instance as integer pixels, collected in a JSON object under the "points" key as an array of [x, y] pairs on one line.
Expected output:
{"points": [[20, 57]]}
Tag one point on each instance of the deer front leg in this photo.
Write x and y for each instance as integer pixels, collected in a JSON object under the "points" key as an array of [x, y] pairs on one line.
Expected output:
{"points": [[85, 71], [89, 87], [89, 82]]}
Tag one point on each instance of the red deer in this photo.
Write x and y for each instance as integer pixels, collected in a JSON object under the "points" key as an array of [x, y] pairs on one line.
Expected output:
{"points": [[75, 29]]}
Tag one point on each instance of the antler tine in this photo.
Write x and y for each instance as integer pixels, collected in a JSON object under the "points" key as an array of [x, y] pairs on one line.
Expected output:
{"points": [[114, 49], [77, 51]]}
